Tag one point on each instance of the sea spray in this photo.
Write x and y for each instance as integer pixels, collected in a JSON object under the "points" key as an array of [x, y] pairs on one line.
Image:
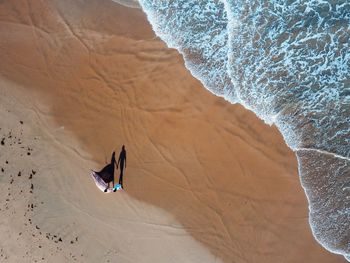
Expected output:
{"points": [[289, 62]]}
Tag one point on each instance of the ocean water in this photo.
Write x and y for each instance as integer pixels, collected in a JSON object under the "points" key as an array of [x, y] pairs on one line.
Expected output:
{"points": [[198, 30], [289, 62]]}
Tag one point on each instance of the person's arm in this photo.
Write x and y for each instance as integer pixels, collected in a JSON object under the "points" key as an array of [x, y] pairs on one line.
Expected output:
{"points": [[125, 160]]}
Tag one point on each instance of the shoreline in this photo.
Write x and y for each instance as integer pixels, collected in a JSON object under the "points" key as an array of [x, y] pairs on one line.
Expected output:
{"points": [[205, 180]]}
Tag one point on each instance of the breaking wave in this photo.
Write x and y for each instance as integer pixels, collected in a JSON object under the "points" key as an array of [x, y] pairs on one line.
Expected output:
{"points": [[289, 62]]}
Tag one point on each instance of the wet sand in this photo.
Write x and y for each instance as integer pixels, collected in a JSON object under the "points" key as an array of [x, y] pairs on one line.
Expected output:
{"points": [[206, 181]]}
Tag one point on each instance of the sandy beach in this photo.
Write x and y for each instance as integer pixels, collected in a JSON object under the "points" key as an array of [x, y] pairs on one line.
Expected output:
{"points": [[206, 181]]}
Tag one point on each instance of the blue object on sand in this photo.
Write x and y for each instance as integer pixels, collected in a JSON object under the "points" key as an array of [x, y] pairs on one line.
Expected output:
{"points": [[117, 187]]}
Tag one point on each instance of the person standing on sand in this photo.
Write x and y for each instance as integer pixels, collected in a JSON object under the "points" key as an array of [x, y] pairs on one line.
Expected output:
{"points": [[122, 162]]}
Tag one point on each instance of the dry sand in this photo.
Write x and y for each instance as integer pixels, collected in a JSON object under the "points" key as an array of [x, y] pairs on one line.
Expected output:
{"points": [[206, 181]]}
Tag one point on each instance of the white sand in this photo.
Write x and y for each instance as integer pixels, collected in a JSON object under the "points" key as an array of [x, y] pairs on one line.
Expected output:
{"points": [[206, 181]]}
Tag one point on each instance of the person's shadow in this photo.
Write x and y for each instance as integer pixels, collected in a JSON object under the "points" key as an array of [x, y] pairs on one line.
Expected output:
{"points": [[121, 164], [107, 172]]}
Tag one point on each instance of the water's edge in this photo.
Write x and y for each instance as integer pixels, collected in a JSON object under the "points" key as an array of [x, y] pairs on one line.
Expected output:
{"points": [[283, 76]]}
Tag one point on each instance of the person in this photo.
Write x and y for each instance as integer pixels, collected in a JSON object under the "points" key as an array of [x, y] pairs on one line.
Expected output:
{"points": [[122, 164], [107, 172]]}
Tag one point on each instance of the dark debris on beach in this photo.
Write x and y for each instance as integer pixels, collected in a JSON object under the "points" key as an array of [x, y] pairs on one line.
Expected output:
{"points": [[22, 187]]}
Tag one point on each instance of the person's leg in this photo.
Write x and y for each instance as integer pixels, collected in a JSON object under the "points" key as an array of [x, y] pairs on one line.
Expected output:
{"points": [[114, 189]]}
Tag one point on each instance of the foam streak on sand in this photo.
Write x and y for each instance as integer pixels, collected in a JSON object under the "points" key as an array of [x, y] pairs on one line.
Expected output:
{"points": [[289, 62], [128, 3]]}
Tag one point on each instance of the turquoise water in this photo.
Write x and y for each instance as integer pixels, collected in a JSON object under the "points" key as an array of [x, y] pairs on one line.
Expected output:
{"points": [[288, 61]]}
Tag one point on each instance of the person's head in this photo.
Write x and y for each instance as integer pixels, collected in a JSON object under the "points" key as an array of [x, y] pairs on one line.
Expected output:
{"points": [[123, 147], [113, 154]]}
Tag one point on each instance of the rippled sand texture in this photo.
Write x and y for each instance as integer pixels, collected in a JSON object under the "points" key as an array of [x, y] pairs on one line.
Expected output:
{"points": [[206, 180], [289, 63]]}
